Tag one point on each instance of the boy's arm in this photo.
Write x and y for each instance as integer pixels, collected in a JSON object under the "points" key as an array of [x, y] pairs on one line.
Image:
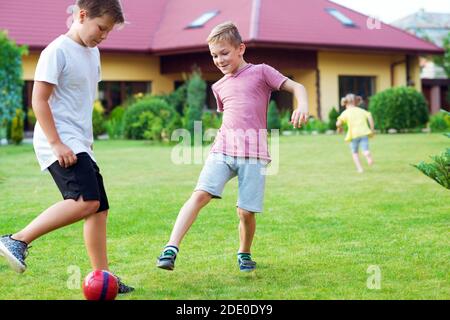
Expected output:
{"points": [[41, 94], [301, 114]]}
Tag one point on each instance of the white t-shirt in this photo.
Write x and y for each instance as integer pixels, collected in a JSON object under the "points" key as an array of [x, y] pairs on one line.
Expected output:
{"points": [[75, 72]]}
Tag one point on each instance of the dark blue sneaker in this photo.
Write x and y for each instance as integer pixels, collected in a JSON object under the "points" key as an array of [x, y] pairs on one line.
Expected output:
{"points": [[167, 258], [15, 252], [246, 264], [123, 288]]}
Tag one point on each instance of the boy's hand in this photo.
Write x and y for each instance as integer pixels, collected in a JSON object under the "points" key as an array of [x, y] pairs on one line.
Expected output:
{"points": [[64, 154], [299, 117]]}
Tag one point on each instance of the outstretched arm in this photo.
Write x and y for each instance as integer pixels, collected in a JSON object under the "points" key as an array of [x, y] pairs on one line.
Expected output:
{"points": [[41, 94], [301, 114]]}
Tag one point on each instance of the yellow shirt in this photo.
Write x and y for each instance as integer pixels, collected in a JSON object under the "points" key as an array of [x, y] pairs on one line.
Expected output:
{"points": [[356, 119]]}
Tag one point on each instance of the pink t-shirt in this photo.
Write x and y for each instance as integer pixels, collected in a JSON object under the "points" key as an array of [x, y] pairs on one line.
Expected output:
{"points": [[243, 98]]}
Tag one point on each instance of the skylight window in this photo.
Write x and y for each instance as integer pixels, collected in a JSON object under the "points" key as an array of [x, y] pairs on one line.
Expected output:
{"points": [[204, 18], [346, 21]]}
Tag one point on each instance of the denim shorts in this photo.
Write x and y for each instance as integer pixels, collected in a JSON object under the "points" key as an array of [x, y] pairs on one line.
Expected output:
{"points": [[361, 141], [220, 168]]}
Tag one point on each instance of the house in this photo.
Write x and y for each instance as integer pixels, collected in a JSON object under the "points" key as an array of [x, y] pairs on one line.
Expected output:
{"points": [[434, 27], [330, 49]]}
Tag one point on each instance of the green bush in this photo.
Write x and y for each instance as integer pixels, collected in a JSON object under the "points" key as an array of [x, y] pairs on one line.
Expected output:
{"points": [[17, 127], [11, 80], [114, 125], [332, 118], [196, 98], [139, 126], [177, 98], [31, 118], [399, 108], [285, 120], [316, 125], [98, 121], [273, 116], [440, 122], [210, 120]]}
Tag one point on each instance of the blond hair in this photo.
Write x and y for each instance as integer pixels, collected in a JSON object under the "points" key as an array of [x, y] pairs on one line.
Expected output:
{"points": [[348, 99], [226, 31]]}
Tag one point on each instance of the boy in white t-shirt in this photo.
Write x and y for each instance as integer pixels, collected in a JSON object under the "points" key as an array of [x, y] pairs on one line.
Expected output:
{"points": [[64, 91]]}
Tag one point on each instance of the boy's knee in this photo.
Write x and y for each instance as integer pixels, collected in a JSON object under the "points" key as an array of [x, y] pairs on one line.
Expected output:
{"points": [[201, 197], [90, 206], [245, 215]]}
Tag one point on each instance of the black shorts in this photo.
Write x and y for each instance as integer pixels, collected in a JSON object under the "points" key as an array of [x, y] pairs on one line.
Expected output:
{"points": [[81, 179]]}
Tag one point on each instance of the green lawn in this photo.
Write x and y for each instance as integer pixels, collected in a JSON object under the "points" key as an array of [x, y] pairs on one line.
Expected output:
{"points": [[323, 226]]}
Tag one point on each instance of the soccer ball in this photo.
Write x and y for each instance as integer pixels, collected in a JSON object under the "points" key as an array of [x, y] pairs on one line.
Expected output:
{"points": [[100, 285]]}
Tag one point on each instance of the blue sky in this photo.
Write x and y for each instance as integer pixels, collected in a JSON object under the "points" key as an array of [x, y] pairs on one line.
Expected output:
{"points": [[391, 10]]}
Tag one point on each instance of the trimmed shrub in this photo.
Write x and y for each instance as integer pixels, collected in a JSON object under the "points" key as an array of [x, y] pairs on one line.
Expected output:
{"points": [[273, 117], [440, 122], [31, 118], [114, 125], [17, 127], [98, 122], [138, 126], [332, 118], [399, 108]]}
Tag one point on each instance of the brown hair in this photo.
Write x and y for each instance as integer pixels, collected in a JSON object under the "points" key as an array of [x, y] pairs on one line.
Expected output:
{"points": [[225, 31], [98, 8]]}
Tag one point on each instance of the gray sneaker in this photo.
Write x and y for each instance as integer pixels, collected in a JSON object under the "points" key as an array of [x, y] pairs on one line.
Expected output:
{"points": [[15, 252], [245, 262], [167, 258]]}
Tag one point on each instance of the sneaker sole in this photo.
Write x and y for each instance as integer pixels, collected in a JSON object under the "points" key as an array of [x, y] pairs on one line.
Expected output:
{"points": [[12, 261], [165, 266]]}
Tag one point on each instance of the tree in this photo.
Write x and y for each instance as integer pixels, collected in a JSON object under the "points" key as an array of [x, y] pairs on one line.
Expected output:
{"points": [[11, 82], [196, 99], [444, 61]]}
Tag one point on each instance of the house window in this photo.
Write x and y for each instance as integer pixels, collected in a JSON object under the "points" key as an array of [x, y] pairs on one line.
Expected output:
{"points": [[115, 93], [361, 86], [204, 18], [346, 21]]}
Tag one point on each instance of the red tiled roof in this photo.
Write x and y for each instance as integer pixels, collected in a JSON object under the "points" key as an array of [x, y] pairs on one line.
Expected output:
{"points": [[159, 26]]}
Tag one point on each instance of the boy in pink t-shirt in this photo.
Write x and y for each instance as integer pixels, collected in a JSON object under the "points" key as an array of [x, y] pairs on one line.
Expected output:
{"points": [[240, 148]]}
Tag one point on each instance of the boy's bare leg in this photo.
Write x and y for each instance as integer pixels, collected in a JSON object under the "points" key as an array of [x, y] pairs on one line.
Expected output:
{"points": [[187, 216], [357, 162], [95, 239], [57, 216], [247, 227], [369, 158]]}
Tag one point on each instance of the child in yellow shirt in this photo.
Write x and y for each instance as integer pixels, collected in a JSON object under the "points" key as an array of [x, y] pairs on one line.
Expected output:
{"points": [[358, 132]]}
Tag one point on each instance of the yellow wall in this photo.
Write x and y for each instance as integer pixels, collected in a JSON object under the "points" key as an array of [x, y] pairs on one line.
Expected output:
{"points": [[29, 65], [143, 67], [333, 64], [308, 79], [120, 67]]}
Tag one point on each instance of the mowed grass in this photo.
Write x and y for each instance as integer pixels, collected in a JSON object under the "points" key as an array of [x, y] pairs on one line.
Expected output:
{"points": [[324, 225]]}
